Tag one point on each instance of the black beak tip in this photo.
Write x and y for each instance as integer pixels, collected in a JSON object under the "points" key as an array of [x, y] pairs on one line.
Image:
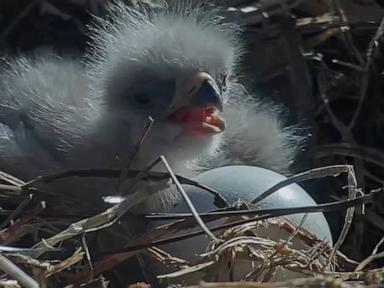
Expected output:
{"points": [[208, 94]]}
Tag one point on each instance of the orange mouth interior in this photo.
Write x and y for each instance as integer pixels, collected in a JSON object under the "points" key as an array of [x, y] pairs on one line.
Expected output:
{"points": [[199, 120]]}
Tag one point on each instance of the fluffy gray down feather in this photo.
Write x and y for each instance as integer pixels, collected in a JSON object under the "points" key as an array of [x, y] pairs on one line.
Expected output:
{"points": [[56, 113]]}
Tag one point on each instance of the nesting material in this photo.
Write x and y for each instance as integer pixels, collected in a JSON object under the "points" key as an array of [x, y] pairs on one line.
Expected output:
{"points": [[264, 250]]}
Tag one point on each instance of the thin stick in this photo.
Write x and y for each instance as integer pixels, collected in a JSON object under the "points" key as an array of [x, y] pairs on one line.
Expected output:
{"points": [[10, 189], [374, 256], [349, 65], [88, 255], [284, 212], [220, 201], [368, 260], [16, 21], [307, 175], [365, 77], [211, 216], [374, 251], [367, 154], [291, 236], [99, 221], [11, 269], [188, 201], [125, 171], [337, 7], [141, 175], [16, 211], [352, 191]]}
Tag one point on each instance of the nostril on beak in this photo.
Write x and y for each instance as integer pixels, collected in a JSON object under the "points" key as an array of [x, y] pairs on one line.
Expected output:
{"points": [[193, 90], [208, 94]]}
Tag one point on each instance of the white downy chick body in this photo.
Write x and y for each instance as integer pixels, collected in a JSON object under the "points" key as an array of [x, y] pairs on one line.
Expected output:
{"points": [[57, 114]]}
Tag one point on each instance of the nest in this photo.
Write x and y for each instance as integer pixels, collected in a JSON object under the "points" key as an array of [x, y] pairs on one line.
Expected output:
{"points": [[235, 244], [335, 53]]}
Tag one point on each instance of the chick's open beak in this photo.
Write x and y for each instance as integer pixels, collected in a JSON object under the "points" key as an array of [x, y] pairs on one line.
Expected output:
{"points": [[202, 114]]}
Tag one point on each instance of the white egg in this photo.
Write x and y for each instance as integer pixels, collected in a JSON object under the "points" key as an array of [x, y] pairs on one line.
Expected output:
{"points": [[243, 183]]}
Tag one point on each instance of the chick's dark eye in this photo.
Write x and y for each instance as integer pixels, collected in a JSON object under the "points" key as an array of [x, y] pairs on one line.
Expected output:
{"points": [[222, 82], [142, 99]]}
